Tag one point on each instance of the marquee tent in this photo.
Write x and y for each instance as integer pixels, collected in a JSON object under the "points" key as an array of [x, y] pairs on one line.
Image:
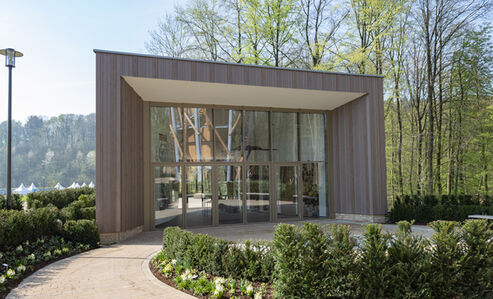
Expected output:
{"points": [[59, 186], [74, 185], [33, 188], [22, 190]]}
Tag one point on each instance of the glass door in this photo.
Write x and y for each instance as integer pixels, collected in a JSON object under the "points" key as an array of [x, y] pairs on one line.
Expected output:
{"points": [[167, 196], [198, 195], [287, 191], [229, 194]]}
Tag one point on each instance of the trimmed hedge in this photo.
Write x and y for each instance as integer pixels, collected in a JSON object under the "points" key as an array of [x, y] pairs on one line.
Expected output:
{"points": [[83, 208], [19, 226], [81, 231], [58, 198], [424, 209], [326, 262], [251, 260], [16, 202], [456, 263]]}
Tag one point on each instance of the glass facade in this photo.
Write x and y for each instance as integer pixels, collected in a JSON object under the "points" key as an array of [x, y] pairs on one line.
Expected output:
{"points": [[237, 166], [229, 194], [258, 193], [287, 191], [167, 196]]}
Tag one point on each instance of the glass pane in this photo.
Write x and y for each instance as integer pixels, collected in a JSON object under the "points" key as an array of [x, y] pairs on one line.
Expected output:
{"points": [[257, 148], [166, 134], [257, 193], [287, 191], [312, 133], [227, 144], [314, 190], [167, 196], [199, 195], [229, 194], [198, 134], [284, 136]]}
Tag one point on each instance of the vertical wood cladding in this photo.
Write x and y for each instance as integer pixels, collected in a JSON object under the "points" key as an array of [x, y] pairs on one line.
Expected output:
{"points": [[358, 182]]}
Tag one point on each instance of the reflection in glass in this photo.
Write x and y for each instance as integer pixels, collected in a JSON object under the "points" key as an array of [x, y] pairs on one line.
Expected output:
{"points": [[314, 190], [227, 144], [257, 148], [166, 134], [257, 193], [199, 195], [198, 134], [312, 131], [284, 136], [167, 196], [287, 191], [229, 194]]}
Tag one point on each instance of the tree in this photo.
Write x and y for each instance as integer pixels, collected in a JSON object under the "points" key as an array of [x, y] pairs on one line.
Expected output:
{"points": [[169, 39], [320, 23]]}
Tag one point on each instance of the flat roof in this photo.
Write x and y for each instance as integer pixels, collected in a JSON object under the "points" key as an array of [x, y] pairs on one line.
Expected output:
{"points": [[231, 63], [226, 94]]}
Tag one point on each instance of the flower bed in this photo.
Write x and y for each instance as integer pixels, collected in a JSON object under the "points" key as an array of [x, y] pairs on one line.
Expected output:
{"points": [[328, 262], [19, 262], [34, 237], [204, 285]]}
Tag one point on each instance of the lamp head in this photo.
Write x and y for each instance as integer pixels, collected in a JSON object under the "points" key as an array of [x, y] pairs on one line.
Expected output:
{"points": [[10, 55]]}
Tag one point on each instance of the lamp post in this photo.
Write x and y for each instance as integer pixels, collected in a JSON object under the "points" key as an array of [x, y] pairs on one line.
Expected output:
{"points": [[10, 55]]}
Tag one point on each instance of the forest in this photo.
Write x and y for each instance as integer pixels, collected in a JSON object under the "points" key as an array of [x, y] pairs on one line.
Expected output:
{"points": [[50, 150], [435, 56]]}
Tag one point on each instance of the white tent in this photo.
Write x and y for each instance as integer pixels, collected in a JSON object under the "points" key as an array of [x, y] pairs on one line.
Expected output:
{"points": [[33, 188], [22, 190], [59, 186], [74, 185], [91, 185], [84, 185]]}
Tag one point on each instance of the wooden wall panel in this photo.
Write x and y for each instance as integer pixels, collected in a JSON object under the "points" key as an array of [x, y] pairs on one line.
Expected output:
{"points": [[132, 158], [358, 182]]}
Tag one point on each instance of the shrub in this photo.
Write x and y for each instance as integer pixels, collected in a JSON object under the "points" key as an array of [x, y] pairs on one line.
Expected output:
{"points": [[16, 202], [82, 231], [341, 280], [83, 208], [251, 260], [19, 226], [58, 198], [373, 267], [428, 208], [476, 278], [408, 264]]}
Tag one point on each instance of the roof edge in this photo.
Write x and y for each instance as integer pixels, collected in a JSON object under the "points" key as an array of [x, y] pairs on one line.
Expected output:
{"points": [[230, 63]]}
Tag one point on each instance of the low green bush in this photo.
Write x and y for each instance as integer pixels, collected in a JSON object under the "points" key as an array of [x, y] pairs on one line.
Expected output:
{"points": [[58, 198], [83, 208], [457, 262], [83, 231], [251, 260], [424, 209], [16, 202], [19, 226]]}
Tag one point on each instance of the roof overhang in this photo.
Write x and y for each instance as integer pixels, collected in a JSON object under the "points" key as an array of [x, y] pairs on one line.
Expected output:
{"points": [[196, 92]]}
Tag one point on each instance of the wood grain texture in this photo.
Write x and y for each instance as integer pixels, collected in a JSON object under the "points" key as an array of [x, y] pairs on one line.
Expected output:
{"points": [[357, 155]]}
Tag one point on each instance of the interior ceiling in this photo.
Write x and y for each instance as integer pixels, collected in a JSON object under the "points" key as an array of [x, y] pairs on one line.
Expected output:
{"points": [[193, 92]]}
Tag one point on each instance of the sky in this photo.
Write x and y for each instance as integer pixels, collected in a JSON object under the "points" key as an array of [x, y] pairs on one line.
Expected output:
{"points": [[57, 73]]}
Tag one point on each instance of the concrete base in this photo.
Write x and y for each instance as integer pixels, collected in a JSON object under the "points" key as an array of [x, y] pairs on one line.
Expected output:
{"points": [[361, 218], [108, 238]]}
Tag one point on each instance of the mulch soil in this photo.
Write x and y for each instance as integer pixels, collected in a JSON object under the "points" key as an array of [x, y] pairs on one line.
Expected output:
{"points": [[169, 281]]}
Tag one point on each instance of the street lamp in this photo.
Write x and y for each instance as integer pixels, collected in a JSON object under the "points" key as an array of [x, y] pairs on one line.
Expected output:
{"points": [[10, 55]]}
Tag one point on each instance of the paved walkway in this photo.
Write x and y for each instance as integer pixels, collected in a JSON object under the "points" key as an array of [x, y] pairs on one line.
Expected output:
{"points": [[121, 270], [117, 271]]}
